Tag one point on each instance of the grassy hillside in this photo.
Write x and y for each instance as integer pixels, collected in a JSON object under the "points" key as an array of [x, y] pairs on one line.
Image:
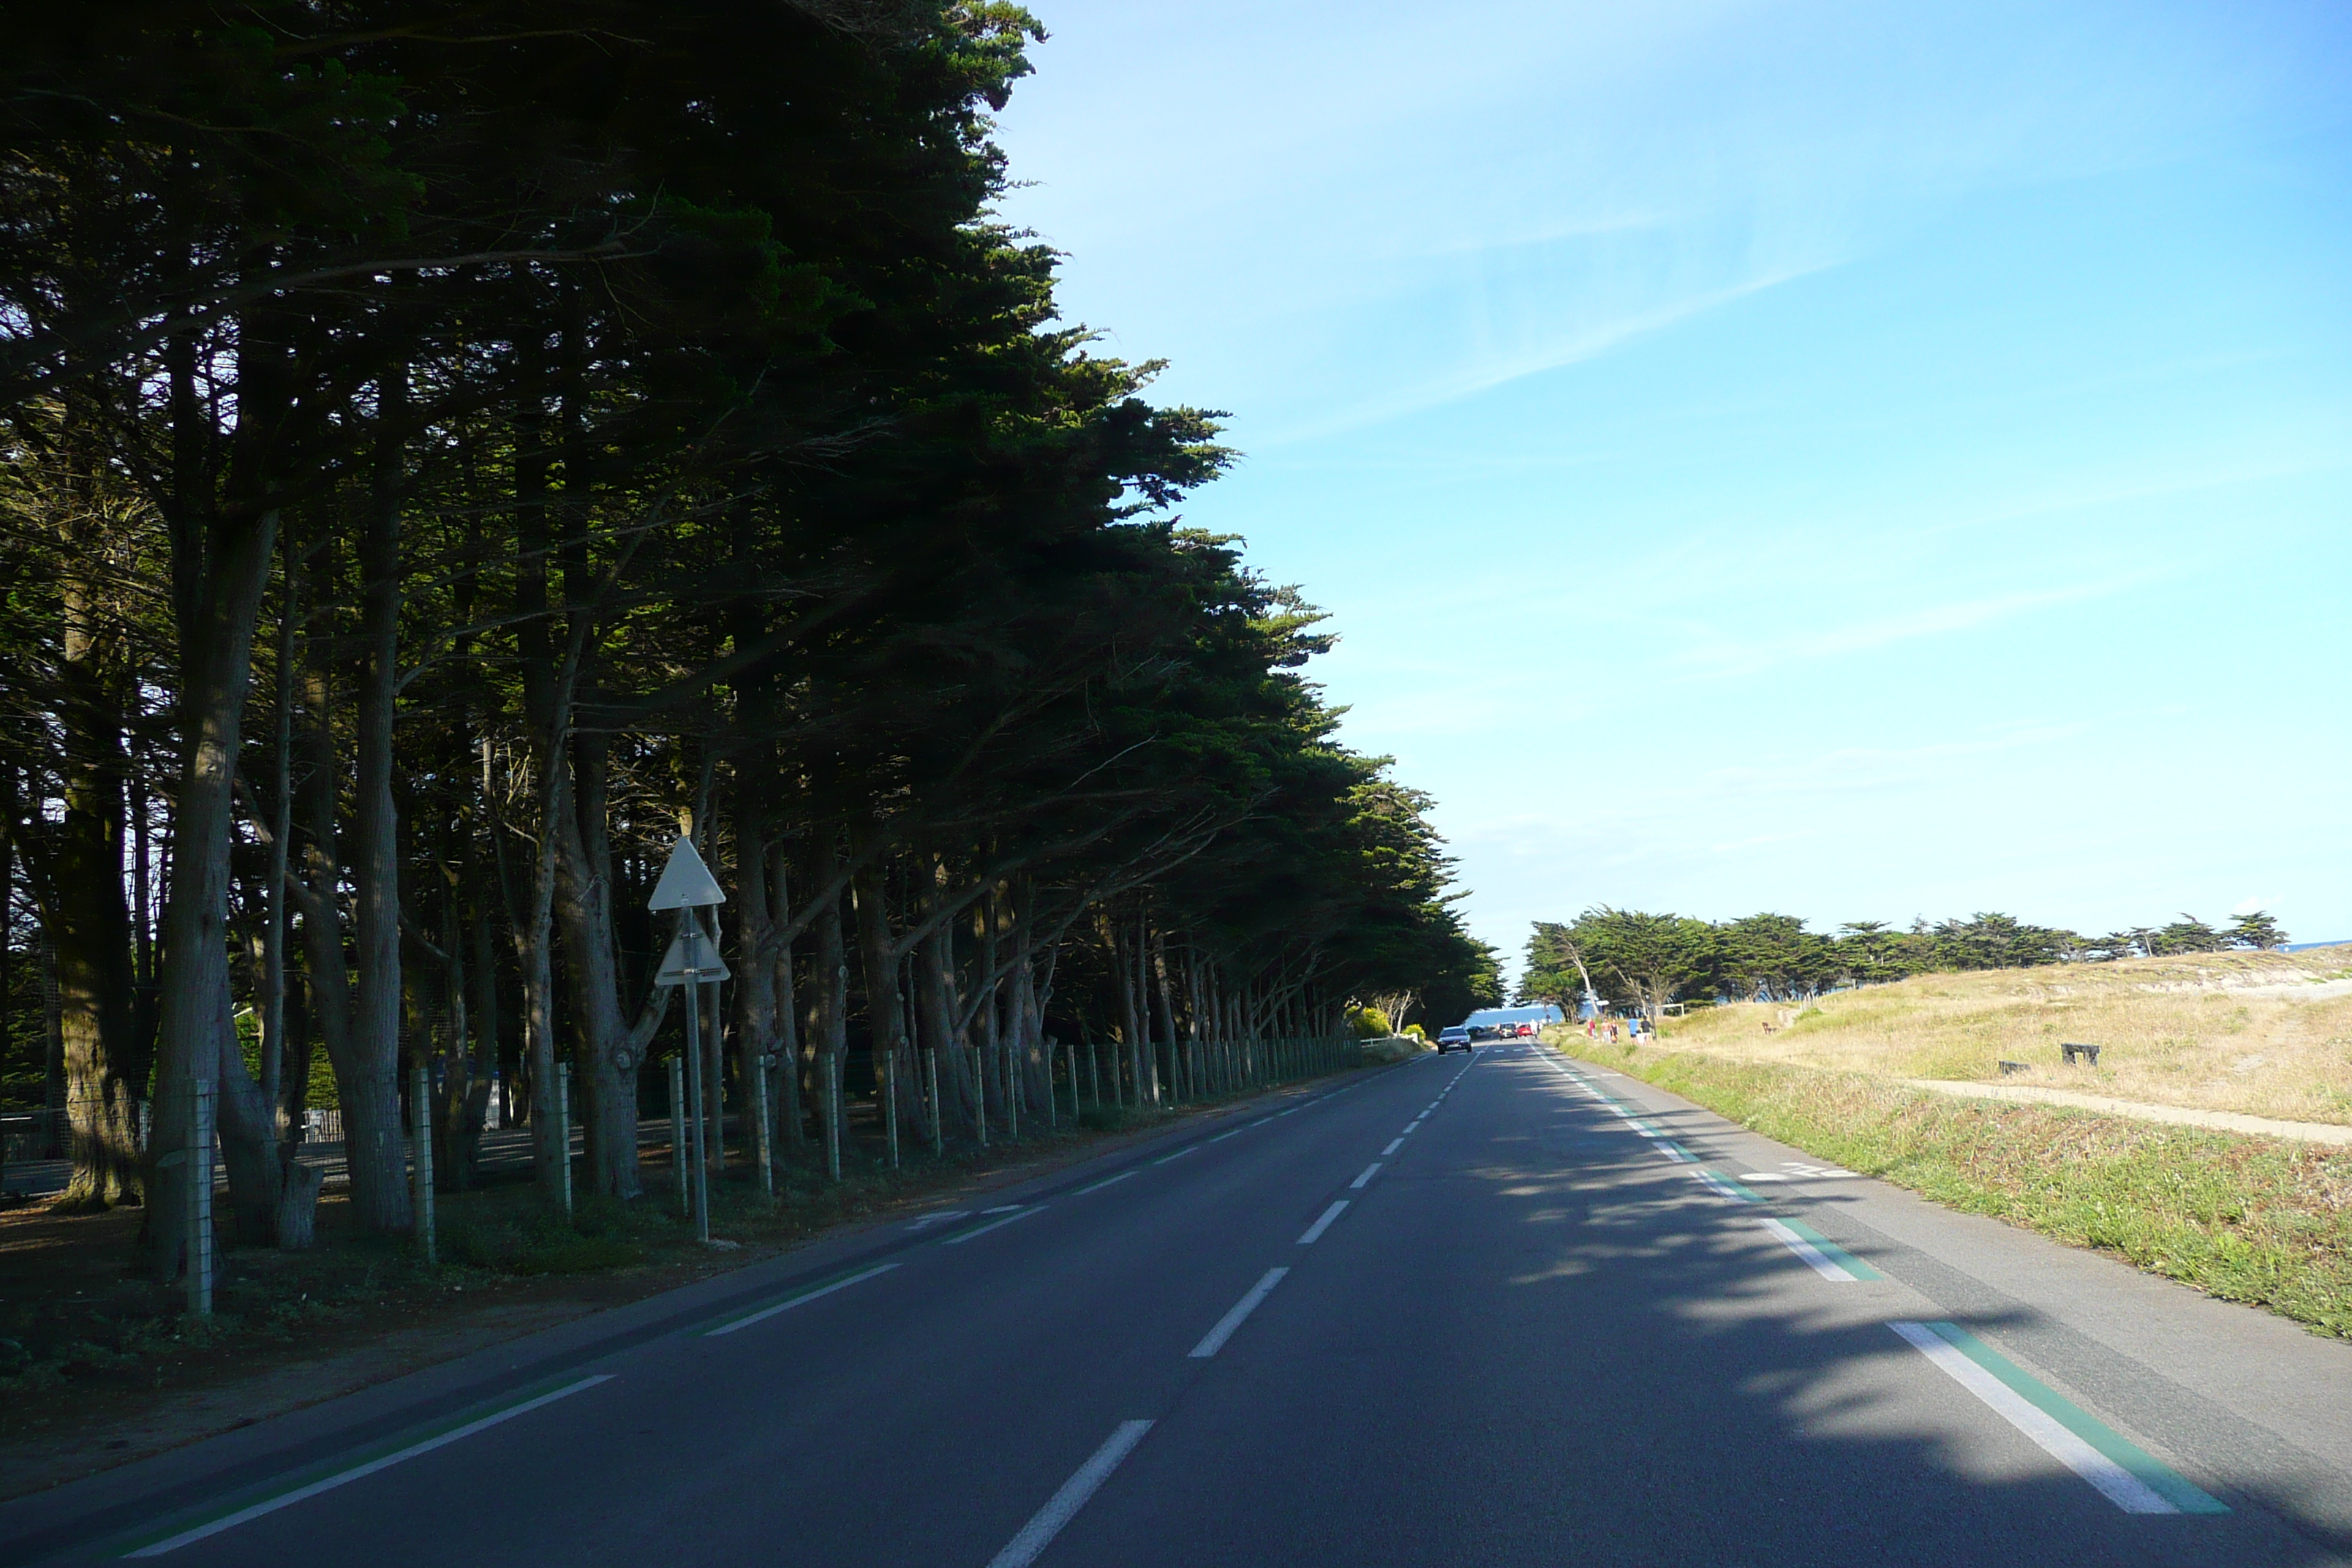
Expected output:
{"points": [[2264, 1034]]}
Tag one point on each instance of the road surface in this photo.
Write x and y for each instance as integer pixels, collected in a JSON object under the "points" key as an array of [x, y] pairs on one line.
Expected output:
{"points": [[1509, 1312]]}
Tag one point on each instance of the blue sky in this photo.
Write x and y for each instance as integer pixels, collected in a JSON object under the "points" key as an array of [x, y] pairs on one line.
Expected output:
{"points": [[1858, 461]]}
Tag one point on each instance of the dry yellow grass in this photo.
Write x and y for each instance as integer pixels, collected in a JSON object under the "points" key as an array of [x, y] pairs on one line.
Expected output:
{"points": [[2262, 1034]]}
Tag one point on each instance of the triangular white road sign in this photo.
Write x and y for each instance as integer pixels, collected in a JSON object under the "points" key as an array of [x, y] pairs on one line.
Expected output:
{"points": [[685, 881], [693, 958]]}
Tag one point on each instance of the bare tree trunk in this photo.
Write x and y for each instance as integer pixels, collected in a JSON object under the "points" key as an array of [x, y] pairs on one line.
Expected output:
{"points": [[250, 1150], [1131, 1022], [831, 982], [1032, 1072], [992, 1066], [534, 936], [480, 979], [87, 923], [54, 1098], [270, 1003], [585, 905], [366, 1077], [192, 1008], [787, 1006], [935, 1015], [878, 955], [369, 1073], [755, 980], [1166, 1003]]}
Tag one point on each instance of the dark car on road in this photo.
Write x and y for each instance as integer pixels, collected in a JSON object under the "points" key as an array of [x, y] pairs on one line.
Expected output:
{"points": [[1447, 1039]]}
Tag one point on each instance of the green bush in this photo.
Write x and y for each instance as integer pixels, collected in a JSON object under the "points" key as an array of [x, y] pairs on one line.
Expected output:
{"points": [[577, 1255], [1371, 1024], [598, 1236]]}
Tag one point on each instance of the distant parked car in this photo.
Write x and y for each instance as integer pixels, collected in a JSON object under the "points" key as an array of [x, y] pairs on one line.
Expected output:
{"points": [[1527, 1031], [1448, 1040]]}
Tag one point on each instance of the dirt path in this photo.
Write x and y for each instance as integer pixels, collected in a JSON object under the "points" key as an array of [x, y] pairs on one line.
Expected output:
{"points": [[2228, 1121]]}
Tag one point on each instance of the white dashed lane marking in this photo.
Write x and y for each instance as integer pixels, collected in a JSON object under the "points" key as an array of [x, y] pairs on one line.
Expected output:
{"points": [[1214, 1339]]}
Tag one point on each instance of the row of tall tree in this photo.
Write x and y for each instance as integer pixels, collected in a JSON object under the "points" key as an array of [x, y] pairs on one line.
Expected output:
{"points": [[453, 449], [1643, 962]]}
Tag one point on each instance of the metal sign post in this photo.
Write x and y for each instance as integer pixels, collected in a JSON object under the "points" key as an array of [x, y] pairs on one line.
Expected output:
{"points": [[693, 961], [677, 1135], [700, 1155], [764, 1139], [563, 1127], [199, 1158], [420, 1166]]}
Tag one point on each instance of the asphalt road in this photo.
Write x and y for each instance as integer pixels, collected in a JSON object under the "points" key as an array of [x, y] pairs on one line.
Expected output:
{"points": [[1509, 1312]]}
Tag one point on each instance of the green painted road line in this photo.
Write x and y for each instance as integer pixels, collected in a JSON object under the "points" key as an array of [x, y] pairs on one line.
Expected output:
{"points": [[2157, 1477], [1833, 1252], [337, 1472], [745, 1320]]}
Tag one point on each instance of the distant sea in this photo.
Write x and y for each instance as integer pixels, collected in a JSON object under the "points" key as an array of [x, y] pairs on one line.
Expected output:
{"points": [[2300, 946]]}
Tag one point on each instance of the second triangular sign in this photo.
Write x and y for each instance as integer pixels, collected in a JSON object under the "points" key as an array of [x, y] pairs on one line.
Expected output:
{"points": [[692, 959]]}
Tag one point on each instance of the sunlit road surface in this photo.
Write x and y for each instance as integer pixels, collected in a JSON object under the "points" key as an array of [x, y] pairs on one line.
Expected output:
{"points": [[1501, 1311]]}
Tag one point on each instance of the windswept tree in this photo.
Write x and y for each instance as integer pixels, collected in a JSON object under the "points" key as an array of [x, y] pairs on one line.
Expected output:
{"points": [[454, 449]]}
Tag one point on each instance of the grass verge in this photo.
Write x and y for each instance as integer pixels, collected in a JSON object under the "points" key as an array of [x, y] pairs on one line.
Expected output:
{"points": [[2260, 1220]]}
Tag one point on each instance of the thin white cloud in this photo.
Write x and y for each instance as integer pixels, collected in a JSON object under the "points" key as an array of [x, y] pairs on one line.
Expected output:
{"points": [[1735, 658], [1484, 373]]}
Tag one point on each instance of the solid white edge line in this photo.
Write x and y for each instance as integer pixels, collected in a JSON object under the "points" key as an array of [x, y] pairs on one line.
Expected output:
{"points": [[1719, 1186], [2117, 1485], [1214, 1339], [1815, 1259], [328, 1483], [992, 1225], [768, 1312], [1370, 1171], [1394, 1145], [1047, 1521], [1099, 1186], [1324, 1223]]}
